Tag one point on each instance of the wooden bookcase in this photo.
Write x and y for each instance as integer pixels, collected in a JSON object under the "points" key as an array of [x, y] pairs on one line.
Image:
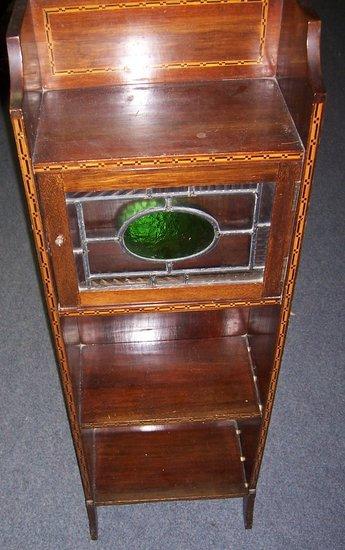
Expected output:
{"points": [[167, 150]]}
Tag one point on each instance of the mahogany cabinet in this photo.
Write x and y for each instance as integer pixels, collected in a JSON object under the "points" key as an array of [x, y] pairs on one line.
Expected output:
{"points": [[167, 149]]}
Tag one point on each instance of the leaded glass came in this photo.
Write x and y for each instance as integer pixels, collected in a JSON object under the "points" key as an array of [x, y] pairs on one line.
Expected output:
{"points": [[171, 236]]}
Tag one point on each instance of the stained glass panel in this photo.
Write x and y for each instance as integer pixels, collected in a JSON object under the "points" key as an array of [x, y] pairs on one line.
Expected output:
{"points": [[171, 236]]}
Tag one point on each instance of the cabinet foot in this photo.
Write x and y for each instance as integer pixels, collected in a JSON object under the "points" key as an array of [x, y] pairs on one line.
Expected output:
{"points": [[92, 515], [248, 511]]}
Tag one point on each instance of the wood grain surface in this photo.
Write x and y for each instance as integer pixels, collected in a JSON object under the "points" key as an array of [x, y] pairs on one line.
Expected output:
{"points": [[171, 462], [164, 120]]}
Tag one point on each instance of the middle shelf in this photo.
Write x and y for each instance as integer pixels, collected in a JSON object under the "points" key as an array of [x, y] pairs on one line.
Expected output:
{"points": [[195, 379]]}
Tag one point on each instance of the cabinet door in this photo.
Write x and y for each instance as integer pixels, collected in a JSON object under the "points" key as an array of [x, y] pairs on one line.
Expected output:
{"points": [[115, 244]]}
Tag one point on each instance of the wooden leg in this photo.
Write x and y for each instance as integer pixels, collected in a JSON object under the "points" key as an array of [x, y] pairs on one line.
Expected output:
{"points": [[92, 515], [248, 510]]}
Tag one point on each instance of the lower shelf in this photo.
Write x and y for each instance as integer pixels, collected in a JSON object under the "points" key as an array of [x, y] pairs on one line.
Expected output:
{"points": [[166, 462]]}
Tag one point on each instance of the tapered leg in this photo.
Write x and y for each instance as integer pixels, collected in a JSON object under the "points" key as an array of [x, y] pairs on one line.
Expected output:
{"points": [[248, 510], [92, 515]]}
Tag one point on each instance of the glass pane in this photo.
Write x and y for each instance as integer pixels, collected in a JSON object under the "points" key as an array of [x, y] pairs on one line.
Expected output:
{"points": [[231, 212], [171, 236], [109, 257], [230, 250], [261, 246], [100, 217], [73, 225], [266, 202]]}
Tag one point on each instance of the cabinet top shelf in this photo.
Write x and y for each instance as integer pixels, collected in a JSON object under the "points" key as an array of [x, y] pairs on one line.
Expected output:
{"points": [[141, 121], [132, 81]]}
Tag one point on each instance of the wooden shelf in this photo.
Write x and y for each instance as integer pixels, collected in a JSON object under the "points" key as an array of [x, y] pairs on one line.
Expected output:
{"points": [[162, 120], [165, 381], [167, 462]]}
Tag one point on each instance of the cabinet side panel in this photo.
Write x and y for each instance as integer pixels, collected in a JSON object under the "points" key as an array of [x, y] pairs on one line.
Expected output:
{"points": [[32, 84], [299, 67], [46, 275], [308, 170], [249, 437], [262, 335], [31, 67]]}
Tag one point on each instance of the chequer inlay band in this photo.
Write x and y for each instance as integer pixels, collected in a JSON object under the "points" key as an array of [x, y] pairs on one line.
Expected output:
{"points": [[161, 162], [167, 308], [47, 12]]}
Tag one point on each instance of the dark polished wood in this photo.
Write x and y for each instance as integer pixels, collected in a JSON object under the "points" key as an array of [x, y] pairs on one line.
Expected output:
{"points": [[152, 327], [195, 293], [172, 366], [169, 391], [155, 382], [14, 52], [59, 238], [299, 67], [282, 220], [180, 461], [93, 522], [125, 42], [249, 432], [263, 350], [174, 176], [248, 510], [107, 257], [161, 120], [32, 80]]}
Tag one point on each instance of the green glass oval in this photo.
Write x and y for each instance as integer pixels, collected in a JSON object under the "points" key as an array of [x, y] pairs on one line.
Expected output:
{"points": [[168, 234]]}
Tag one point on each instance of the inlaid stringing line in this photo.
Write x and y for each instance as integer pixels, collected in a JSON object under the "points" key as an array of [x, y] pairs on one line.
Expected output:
{"points": [[152, 4], [160, 162], [168, 308]]}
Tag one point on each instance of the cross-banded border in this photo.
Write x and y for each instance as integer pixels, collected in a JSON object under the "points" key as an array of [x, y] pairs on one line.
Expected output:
{"points": [[151, 4]]}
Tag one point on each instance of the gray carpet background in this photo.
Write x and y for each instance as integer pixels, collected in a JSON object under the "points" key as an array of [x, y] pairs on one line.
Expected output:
{"points": [[300, 500]]}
